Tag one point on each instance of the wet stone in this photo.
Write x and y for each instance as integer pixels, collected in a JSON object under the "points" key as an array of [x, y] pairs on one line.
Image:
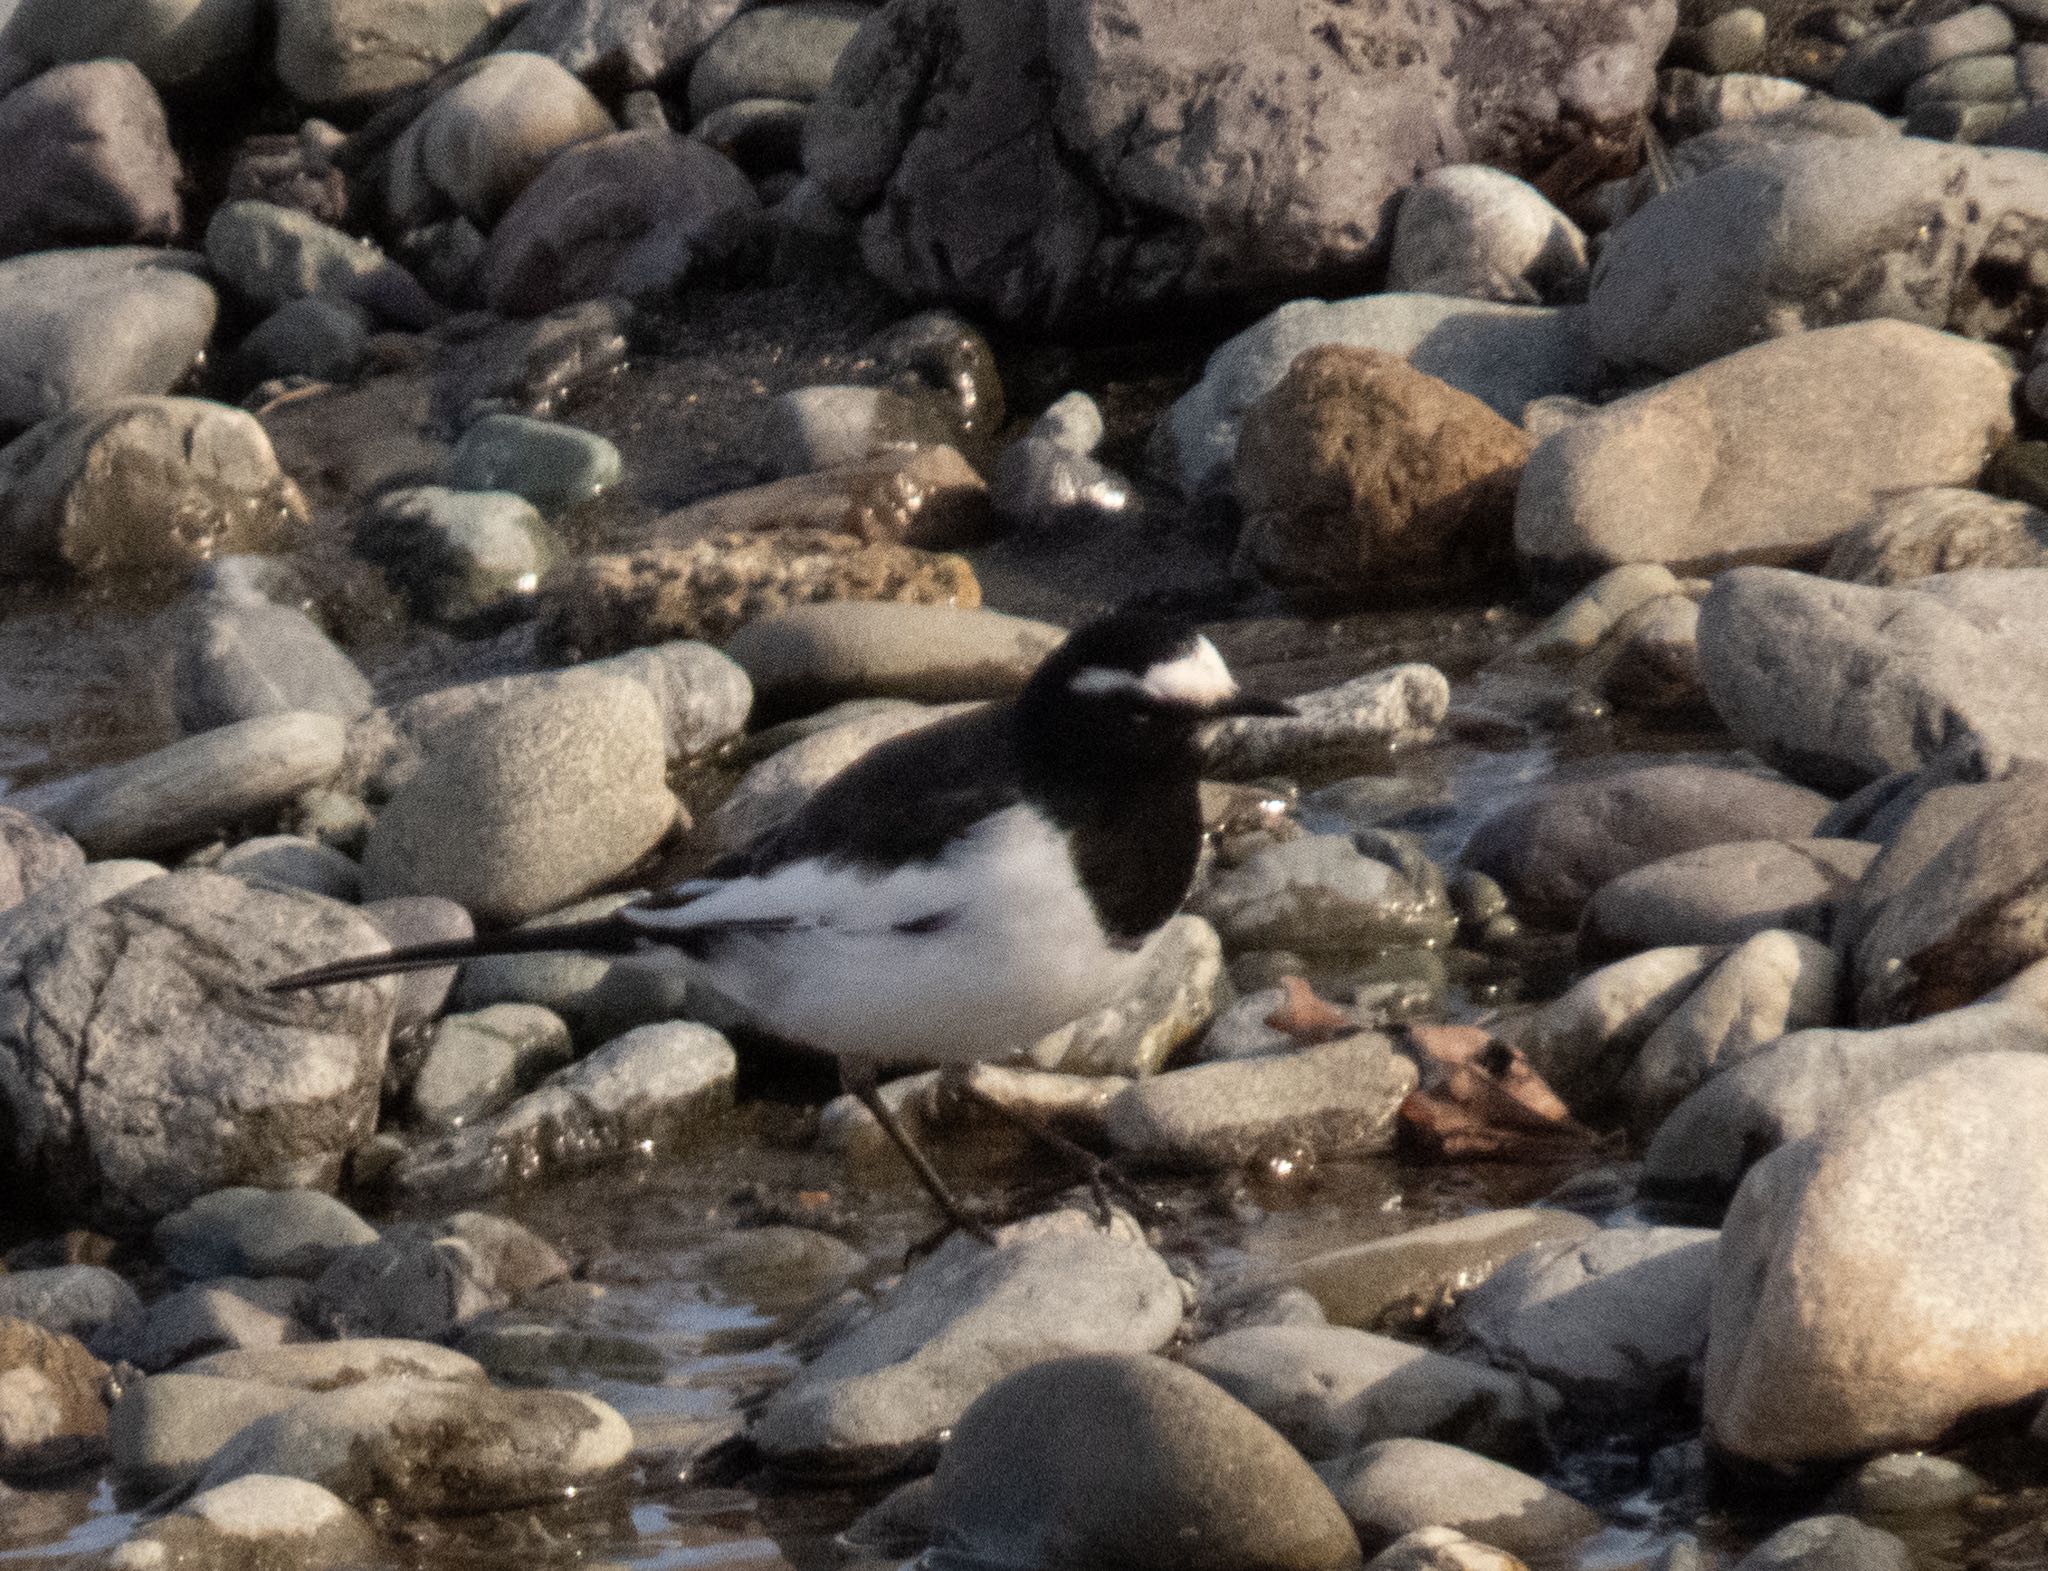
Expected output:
{"points": [[476, 1064], [1336, 1100], [1043, 1470], [1319, 892], [258, 1520], [258, 1232], [814, 428], [457, 556], [1045, 487], [410, 1284], [878, 1399], [1829, 1543], [553, 466], [1909, 1484]]}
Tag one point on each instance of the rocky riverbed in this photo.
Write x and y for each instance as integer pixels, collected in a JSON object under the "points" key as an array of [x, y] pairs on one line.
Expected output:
{"points": [[462, 464]]}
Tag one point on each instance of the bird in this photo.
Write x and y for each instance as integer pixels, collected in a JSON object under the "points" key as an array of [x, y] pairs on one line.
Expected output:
{"points": [[958, 891]]}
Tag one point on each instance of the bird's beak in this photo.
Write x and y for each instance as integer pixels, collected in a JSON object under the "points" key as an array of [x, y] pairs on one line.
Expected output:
{"points": [[1249, 705]]}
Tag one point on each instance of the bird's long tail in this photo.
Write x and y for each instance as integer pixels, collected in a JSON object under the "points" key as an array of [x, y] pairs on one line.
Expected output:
{"points": [[607, 935]]}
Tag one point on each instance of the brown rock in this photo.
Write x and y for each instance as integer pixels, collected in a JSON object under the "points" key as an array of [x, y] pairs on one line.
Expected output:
{"points": [[928, 497], [1361, 475], [602, 604], [53, 1413]]}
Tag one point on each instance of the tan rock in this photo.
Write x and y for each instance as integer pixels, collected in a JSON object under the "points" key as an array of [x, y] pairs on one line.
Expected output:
{"points": [[926, 496], [603, 604], [1360, 474], [1939, 529], [52, 1413]]}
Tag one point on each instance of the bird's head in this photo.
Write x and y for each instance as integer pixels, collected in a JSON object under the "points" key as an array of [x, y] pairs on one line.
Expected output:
{"points": [[1135, 684]]}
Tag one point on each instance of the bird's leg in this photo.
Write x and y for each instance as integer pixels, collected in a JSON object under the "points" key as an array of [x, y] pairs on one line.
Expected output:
{"points": [[860, 1081], [1099, 1173]]}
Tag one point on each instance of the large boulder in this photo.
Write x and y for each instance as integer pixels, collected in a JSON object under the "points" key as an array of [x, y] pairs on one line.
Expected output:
{"points": [[142, 1065], [1766, 455], [95, 153], [1071, 157], [1838, 684], [622, 43], [1882, 1280]]}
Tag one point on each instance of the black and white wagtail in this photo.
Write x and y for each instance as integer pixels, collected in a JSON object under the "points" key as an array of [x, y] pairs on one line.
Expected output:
{"points": [[959, 891]]}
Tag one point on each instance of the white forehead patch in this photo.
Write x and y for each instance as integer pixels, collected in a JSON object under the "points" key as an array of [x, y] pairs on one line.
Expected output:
{"points": [[1198, 677]]}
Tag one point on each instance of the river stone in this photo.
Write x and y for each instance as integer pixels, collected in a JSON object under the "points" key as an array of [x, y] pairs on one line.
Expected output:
{"points": [[1401, 706], [644, 1093], [621, 42], [33, 855], [207, 1317], [1397, 1486], [176, 796], [1469, 230], [1820, 231], [139, 484], [880, 1397], [1163, 1010], [182, 46], [778, 51], [632, 213], [270, 256], [1611, 1320], [1583, 1041], [1771, 984], [340, 53], [414, 1283], [1584, 622], [1403, 1282], [930, 1106], [165, 1429], [565, 981], [1947, 916], [1893, 1242], [53, 906], [427, 1447], [1447, 1549], [1724, 894], [1938, 529], [1907, 1484], [551, 464], [294, 862], [822, 427], [1651, 665], [778, 1267], [257, 1520], [602, 604], [811, 656], [53, 1416], [219, 1082], [237, 659], [320, 339], [1333, 1101], [1043, 1470], [482, 142], [1336, 113], [475, 1064], [1830, 1543], [1887, 677], [82, 327], [1551, 851], [1810, 1079], [73, 1300], [1320, 892], [95, 136], [405, 920], [329, 1366], [928, 496], [1046, 488], [1332, 1389], [1362, 476], [258, 1232], [1503, 355], [1879, 65], [456, 556], [557, 792], [1769, 454]]}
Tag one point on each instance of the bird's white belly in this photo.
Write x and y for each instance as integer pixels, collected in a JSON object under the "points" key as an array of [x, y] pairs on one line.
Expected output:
{"points": [[1014, 949]]}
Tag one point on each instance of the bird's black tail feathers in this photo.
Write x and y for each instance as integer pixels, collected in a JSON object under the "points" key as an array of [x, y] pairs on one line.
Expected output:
{"points": [[607, 935]]}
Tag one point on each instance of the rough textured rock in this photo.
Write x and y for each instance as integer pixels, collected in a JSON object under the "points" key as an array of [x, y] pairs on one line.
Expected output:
{"points": [[557, 792], [1381, 711], [601, 604], [1552, 850], [1724, 894], [1898, 1242], [1768, 454], [1362, 476], [1095, 131], [1887, 677], [811, 656], [632, 213], [1332, 1389], [1398, 1486], [924, 496], [329, 1366], [81, 327], [960, 1319], [1808, 1079], [218, 1083], [1818, 231], [1044, 1469], [96, 137], [1938, 529], [1470, 230], [134, 484], [1503, 355], [52, 1413], [1336, 1100], [621, 42], [434, 1446], [1320, 892], [343, 52], [1614, 1319], [32, 855]]}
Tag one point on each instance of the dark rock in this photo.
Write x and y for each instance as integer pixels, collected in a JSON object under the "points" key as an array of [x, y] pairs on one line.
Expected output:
{"points": [[93, 160]]}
